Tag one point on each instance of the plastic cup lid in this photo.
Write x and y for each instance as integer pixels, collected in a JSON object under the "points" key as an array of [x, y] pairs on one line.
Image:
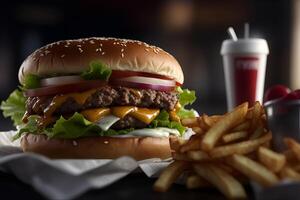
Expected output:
{"points": [[251, 45]]}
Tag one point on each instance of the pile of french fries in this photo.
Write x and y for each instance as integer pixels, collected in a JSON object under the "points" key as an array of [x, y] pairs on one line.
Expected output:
{"points": [[228, 151]]}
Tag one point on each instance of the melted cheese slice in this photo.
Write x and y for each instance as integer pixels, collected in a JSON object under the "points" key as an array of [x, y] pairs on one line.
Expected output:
{"points": [[122, 111], [145, 115], [94, 115]]}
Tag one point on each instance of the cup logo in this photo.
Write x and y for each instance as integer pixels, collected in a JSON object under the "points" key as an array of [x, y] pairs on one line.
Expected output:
{"points": [[246, 62]]}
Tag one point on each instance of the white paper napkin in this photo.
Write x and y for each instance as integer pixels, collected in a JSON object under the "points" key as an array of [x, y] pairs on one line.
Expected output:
{"points": [[68, 178]]}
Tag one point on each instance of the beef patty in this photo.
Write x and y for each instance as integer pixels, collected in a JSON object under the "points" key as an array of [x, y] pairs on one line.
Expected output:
{"points": [[107, 96]]}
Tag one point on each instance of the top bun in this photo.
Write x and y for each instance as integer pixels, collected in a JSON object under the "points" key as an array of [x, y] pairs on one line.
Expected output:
{"points": [[73, 56]]}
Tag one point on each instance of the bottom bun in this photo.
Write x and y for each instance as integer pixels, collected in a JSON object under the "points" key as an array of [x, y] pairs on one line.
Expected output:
{"points": [[99, 147]]}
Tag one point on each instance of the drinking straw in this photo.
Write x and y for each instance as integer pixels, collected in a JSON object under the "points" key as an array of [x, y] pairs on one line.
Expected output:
{"points": [[246, 30], [232, 34]]}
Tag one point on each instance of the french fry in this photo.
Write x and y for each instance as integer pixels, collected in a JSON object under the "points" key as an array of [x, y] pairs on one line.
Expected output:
{"points": [[219, 160], [290, 156], [296, 167], [193, 144], [253, 170], [290, 174], [230, 137], [190, 122], [293, 145], [256, 115], [176, 143], [242, 127], [180, 156], [267, 144], [257, 132], [226, 183], [209, 121], [226, 167], [216, 118], [198, 130], [249, 113], [195, 181], [202, 124], [230, 120], [272, 160], [264, 118], [198, 155], [239, 148], [169, 175]]}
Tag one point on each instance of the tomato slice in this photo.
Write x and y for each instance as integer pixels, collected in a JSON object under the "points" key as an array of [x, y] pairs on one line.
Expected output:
{"points": [[117, 74], [63, 89], [143, 85]]}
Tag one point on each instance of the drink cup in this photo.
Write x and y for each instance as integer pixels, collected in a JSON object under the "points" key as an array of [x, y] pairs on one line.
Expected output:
{"points": [[244, 63]]}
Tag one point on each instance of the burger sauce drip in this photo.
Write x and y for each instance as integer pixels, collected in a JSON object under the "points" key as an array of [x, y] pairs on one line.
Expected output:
{"points": [[37, 103], [173, 113], [25, 117], [45, 121]]}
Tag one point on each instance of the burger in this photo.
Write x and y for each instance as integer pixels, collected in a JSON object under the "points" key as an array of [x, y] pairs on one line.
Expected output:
{"points": [[99, 98]]}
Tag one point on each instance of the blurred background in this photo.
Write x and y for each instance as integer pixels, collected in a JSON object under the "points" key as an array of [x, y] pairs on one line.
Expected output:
{"points": [[191, 30]]}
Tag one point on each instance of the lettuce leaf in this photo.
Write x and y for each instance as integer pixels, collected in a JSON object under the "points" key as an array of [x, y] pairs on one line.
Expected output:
{"points": [[186, 113], [186, 97], [31, 126], [163, 120], [74, 127], [14, 107], [97, 71], [31, 81]]}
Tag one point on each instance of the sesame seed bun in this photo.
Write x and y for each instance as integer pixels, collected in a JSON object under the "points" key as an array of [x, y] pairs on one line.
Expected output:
{"points": [[139, 148], [73, 57]]}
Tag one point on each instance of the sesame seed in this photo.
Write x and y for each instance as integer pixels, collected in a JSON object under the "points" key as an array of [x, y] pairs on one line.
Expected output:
{"points": [[80, 50], [122, 55], [66, 46], [78, 45], [92, 42], [74, 143], [105, 142], [122, 50], [47, 52], [62, 55], [114, 43], [103, 53], [147, 50], [101, 45], [41, 55]]}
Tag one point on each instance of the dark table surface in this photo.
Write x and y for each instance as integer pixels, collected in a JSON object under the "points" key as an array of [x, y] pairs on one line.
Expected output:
{"points": [[136, 186]]}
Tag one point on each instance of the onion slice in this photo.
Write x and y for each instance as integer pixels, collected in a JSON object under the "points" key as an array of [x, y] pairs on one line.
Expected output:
{"points": [[60, 80], [149, 81]]}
